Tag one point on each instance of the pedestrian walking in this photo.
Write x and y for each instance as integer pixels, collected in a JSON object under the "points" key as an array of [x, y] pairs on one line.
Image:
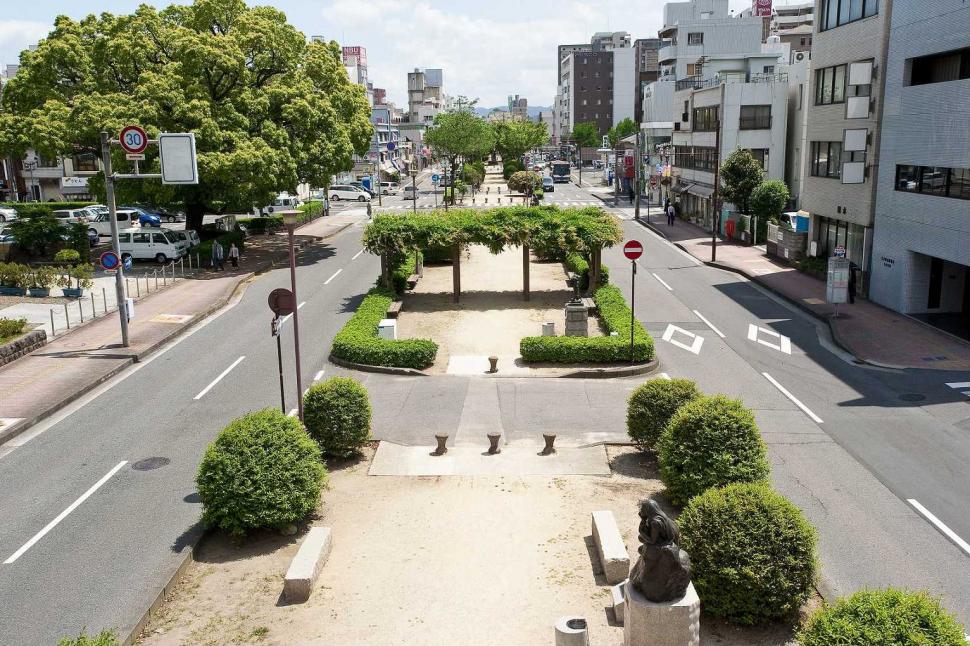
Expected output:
{"points": [[851, 283], [217, 256], [632, 193], [671, 214], [234, 255]]}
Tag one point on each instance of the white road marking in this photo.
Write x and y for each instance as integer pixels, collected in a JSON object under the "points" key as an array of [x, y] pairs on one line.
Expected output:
{"points": [[74, 505], [318, 376], [709, 324], [669, 288], [784, 391], [336, 273], [957, 385], [219, 378], [695, 345], [292, 413], [357, 255], [290, 315], [783, 345], [949, 533]]}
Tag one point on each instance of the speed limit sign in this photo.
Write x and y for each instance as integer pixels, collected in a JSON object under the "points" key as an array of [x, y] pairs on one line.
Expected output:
{"points": [[133, 140]]}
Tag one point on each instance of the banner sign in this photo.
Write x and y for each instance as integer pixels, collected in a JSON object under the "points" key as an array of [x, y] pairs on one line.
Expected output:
{"points": [[761, 8]]}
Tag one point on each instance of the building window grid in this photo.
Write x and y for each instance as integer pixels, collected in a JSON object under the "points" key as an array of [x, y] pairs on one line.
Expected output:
{"points": [[755, 117], [696, 158], [835, 13], [695, 38], [830, 85], [940, 67], [939, 181], [705, 119]]}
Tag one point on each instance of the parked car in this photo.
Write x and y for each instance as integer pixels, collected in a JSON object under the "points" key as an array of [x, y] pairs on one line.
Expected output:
{"points": [[160, 245], [7, 214], [6, 234], [410, 193], [347, 192], [283, 202], [389, 188], [144, 218], [163, 214], [67, 216], [548, 184], [101, 225], [190, 237], [360, 187]]}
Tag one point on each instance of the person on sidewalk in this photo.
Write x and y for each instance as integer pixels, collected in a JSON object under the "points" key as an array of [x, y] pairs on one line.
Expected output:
{"points": [[234, 255], [852, 283], [671, 214], [217, 256]]}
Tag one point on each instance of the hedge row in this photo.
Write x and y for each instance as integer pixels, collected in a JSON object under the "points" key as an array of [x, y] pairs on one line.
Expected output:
{"points": [[358, 341], [602, 349], [28, 209], [577, 264], [400, 274]]}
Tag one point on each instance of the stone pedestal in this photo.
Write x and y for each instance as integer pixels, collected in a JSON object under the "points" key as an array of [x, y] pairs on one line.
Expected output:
{"points": [[674, 623], [576, 316]]}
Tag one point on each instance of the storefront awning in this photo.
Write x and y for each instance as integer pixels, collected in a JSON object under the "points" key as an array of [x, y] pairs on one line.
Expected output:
{"points": [[700, 190]]}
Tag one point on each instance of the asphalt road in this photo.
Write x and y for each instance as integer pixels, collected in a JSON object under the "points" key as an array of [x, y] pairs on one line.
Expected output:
{"points": [[851, 457]]}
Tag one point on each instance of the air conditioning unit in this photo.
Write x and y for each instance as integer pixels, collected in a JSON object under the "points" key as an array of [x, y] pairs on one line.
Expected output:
{"points": [[798, 57]]}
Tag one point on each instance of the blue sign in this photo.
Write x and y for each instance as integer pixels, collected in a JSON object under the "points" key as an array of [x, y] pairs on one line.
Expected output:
{"points": [[126, 261], [391, 145], [109, 260], [436, 178]]}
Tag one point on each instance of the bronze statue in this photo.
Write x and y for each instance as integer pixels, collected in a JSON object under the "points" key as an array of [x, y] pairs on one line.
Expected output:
{"points": [[662, 573]]}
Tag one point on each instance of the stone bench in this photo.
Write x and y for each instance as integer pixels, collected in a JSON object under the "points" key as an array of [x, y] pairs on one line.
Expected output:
{"points": [[394, 309], [413, 280], [610, 547], [590, 305], [306, 565]]}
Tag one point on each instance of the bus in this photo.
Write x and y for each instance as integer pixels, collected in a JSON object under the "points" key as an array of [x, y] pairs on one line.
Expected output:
{"points": [[560, 172]]}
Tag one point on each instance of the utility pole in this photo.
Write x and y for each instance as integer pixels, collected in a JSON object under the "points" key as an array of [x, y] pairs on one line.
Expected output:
{"points": [[716, 198], [109, 186], [636, 176]]}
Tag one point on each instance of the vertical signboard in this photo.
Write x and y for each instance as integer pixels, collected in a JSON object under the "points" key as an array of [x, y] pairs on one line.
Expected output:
{"points": [[176, 151], [761, 8], [837, 285]]}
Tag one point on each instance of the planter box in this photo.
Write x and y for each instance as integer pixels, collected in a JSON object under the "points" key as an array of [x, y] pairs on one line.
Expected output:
{"points": [[72, 292], [13, 291], [39, 292], [22, 345]]}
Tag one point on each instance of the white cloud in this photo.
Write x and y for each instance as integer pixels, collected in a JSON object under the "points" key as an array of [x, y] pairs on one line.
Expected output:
{"points": [[17, 35]]}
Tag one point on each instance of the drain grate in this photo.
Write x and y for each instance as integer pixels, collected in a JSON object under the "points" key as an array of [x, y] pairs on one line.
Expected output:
{"points": [[149, 464], [912, 397]]}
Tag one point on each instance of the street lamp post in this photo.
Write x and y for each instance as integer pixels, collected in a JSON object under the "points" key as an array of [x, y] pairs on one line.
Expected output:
{"points": [[30, 166], [414, 190], [289, 220]]}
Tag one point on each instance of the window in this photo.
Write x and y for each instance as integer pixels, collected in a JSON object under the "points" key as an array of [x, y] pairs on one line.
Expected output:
{"points": [[124, 237], [830, 85], [761, 154], [693, 69], [835, 13], [140, 238], [695, 38], [755, 117], [940, 68], [695, 157], [826, 159], [768, 69], [934, 180], [705, 119], [159, 238], [907, 178]]}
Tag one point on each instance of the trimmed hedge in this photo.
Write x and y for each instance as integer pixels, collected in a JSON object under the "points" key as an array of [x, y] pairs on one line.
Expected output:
{"points": [[337, 414], [710, 442], [752, 553], [890, 616], [358, 341], [257, 226], [400, 274], [602, 349], [262, 470], [577, 264], [651, 406]]}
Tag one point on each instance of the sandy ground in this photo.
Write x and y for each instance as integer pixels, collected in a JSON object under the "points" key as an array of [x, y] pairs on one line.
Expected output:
{"points": [[484, 561], [491, 318]]}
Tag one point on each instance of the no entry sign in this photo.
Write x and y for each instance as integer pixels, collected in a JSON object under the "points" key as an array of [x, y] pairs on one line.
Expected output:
{"points": [[133, 140], [633, 249]]}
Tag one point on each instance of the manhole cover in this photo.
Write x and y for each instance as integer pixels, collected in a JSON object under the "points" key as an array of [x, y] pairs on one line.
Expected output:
{"points": [[149, 464], [912, 397]]}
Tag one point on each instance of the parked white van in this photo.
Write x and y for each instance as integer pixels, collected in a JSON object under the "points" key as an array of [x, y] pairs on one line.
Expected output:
{"points": [[160, 245], [102, 225], [283, 202], [70, 216]]}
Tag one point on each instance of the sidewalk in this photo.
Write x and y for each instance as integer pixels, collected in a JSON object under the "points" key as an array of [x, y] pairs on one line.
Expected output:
{"points": [[869, 331]]}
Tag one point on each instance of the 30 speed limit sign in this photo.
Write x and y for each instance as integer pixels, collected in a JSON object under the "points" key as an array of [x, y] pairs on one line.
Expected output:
{"points": [[133, 140]]}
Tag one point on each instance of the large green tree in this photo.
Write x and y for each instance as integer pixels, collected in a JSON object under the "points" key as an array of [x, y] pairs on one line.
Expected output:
{"points": [[623, 129], [457, 135], [741, 173], [585, 134], [269, 110], [514, 138]]}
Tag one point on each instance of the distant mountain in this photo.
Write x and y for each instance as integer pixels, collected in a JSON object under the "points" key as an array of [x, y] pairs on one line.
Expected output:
{"points": [[533, 110]]}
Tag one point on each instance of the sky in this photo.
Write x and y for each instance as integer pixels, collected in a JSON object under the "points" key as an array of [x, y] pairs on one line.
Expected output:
{"points": [[488, 49]]}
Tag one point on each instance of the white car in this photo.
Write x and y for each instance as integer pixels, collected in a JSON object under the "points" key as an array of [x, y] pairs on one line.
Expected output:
{"points": [[160, 245], [101, 225], [7, 214], [345, 192], [66, 216], [410, 193], [389, 188]]}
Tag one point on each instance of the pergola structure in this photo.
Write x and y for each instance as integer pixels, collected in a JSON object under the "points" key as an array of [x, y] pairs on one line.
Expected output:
{"points": [[584, 230]]}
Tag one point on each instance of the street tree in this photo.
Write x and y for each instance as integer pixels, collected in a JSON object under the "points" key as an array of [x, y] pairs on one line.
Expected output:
{"points": [[459, 134], [514, 138], [623, 129], [769, 198], [740, 174], [585, 134], [525, 181], [269, 109]]}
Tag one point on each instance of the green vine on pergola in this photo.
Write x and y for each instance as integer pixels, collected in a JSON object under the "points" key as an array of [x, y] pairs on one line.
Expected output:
{"points": [[584, 230]]}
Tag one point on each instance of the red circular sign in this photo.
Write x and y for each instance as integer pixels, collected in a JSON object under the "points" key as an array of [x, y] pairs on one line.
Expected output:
{"points": [[133, 139], [633, 249]]}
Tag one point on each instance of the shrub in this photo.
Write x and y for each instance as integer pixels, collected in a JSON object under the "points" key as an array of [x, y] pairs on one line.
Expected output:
{"points": [[525, 182], [13, 274], [896, 617], [67, 257], [511, 167], [262, 470], [33, 209], [752, 553], [261, 225], [710, 442], [403, 270], [358, 342], [337, 414], [652, 405], [36, 234], [577, 264], [103, 638], [603, 349], [437, 254], [11, 327]]}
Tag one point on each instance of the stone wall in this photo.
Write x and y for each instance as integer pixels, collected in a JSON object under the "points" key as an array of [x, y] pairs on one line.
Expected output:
{"points": [[22, 345]]}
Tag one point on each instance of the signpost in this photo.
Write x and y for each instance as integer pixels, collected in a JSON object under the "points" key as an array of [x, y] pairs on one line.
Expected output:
{"points": [[109, 260], [282, 303], [839, 251], [435, 179], [133, 140], [837, 283], [633, 250]]}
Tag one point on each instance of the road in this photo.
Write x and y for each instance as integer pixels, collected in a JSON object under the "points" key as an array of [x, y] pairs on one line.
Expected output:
{"points": [[116, 470]]}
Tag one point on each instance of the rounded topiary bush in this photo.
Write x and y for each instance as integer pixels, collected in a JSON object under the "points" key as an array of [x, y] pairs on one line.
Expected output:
{"points": [[337, 414], [752, 553], [652, 405], [263, 470], [710, 442], [890, 616]]}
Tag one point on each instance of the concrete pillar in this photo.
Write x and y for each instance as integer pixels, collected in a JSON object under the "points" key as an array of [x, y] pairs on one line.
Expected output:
{"points": [[385, 272], [525, 272], [456, 273]]}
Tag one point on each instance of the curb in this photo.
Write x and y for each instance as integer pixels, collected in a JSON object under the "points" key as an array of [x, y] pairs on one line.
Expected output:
{"points": [[581, 373], [387, 370], [614, 372]]}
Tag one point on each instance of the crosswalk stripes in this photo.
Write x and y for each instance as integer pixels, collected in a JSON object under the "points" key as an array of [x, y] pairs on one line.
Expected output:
{"points": [[962, 386]]}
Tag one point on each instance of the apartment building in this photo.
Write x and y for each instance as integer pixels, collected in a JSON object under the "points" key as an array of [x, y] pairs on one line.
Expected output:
{"points": [[648, 69], [425, 95], [842, 132], [921, 239]]}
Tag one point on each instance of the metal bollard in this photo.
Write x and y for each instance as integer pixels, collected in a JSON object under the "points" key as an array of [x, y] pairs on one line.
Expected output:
{"points": [[137, 288], [548, 449], [104, 295], [163, 276], [156, 280], [441, 448], [94, 310], [493, 446], [182, 266], [80, 310], [66, 317], [52, 322]]}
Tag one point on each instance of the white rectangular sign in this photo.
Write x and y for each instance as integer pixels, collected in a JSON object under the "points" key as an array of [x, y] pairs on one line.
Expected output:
{"points": [[177, 153]]}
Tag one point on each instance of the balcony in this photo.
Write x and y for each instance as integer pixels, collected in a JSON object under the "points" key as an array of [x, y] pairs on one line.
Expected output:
{"points": [[667, 54]]}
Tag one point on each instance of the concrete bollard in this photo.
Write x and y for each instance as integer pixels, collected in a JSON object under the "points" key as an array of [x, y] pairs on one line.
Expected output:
{"points": [[305, 567], [493, 364], [572, 631], [493, 446], [548, 449], [441, 449]]}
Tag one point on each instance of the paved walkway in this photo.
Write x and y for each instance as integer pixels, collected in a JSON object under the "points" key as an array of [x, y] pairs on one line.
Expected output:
{"points": [[869, 331]]}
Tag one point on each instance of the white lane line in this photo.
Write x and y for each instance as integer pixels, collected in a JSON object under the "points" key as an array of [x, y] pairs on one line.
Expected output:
{"points": [[695, 345], [74, 505], [288, 316], [784, 391], [318, 376], [957, 385], [783, 345], [292, 413], [709, 324], [219, 378], [949, 533], [327, 282], [357, 255], [669, 288]]}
